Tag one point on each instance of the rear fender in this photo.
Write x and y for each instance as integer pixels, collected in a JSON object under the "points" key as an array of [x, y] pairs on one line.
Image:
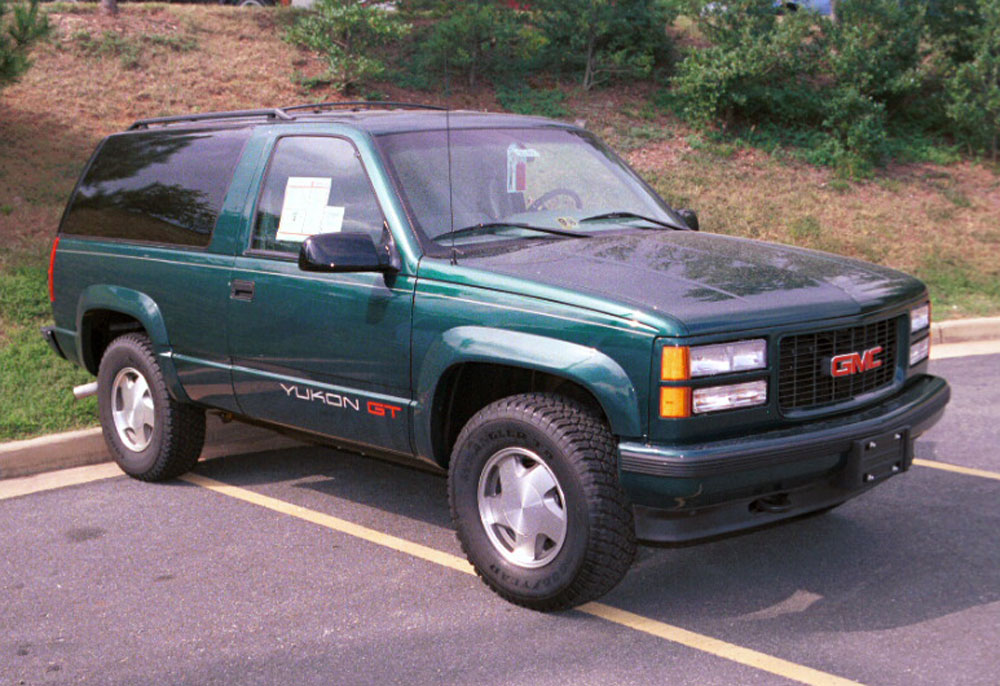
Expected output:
{"points": [[136, 305]]}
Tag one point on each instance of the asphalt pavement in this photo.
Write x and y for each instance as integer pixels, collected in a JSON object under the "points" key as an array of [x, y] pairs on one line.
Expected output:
{"points": [[273, 582]]}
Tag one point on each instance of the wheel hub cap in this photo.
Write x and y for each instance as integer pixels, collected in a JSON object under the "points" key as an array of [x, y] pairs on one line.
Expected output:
{"points": [[132, 409], [522, 507]]}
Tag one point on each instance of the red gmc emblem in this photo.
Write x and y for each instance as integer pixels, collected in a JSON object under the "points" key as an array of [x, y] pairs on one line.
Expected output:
{"points": [[855, 363]]}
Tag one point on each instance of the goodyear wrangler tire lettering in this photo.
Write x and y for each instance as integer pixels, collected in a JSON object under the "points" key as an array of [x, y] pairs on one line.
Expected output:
{"points": [[536, 502]]}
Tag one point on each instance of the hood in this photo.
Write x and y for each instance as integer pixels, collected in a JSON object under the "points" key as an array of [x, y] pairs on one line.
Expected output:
{"points": [[707, 282]]}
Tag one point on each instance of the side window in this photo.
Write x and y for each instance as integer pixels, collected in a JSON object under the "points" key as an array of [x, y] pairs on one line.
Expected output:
{"points": [[161, 186], [313, 185]]}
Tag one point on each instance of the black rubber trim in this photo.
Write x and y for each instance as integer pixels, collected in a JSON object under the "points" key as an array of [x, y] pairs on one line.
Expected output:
{"points": [[50, 337], [917, 407], [654, 525]]}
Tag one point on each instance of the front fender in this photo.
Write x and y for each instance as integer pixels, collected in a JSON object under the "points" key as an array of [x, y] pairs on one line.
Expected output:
{"points": [[588, 367]]}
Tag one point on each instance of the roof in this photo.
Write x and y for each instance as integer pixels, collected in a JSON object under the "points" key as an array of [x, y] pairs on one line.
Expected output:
{"points": [[374, 117]]}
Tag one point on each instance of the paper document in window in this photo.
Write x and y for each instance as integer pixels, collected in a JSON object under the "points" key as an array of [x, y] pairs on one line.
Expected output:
{"points": [[302, 212]]}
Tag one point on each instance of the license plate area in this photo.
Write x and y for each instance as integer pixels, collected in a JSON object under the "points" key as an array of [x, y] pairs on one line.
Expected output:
{"points": [[876, 458]]}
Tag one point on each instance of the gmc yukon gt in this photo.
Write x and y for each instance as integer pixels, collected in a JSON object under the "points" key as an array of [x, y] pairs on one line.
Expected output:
{"points": [[496, 295]]}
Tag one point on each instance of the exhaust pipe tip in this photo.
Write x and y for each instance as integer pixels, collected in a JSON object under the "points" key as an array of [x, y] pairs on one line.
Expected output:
{"points": [[85, 391]]}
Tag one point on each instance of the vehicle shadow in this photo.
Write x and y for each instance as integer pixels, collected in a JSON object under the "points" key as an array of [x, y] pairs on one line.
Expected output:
{"points": [[919, 547], [407, 491]]}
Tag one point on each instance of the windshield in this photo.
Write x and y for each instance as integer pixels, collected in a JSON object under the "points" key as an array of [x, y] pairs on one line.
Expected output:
{"points": [[510, 180]]}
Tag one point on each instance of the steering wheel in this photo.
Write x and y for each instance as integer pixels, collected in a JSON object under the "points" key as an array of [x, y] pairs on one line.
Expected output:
{"points": [[540, 201]]}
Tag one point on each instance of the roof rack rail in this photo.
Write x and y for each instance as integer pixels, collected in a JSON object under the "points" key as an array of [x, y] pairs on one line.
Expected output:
{"points": [[363, 103], [272, 113]]}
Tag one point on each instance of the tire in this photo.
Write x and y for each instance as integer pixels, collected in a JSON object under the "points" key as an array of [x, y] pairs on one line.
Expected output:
{"points": [[579, 536], [150, 435]]}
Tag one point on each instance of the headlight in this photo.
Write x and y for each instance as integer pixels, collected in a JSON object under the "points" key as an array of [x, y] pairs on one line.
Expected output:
{"points": [[728, 397], [723, 358], [919, 350], [920, 318], [681, 363]]}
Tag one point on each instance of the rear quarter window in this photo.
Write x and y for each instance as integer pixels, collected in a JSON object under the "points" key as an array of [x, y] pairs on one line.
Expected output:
{"points": [[159, 187]]}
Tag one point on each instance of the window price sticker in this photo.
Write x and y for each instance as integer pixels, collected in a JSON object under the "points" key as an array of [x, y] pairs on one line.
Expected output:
{"points": [[304, 210]]}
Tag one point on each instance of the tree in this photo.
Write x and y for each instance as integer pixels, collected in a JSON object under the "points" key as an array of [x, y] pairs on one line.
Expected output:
{"points": [[974, 87], [605, 38], [348, 34], [18, 30], [480, 38], [110, 7]]}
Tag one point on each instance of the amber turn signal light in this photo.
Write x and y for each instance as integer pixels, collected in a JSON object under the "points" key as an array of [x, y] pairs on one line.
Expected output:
{"points": [[675, 364], [675, 402]]}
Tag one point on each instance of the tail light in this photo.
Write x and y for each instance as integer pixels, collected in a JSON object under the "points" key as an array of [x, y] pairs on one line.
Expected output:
{"points": [[52, 269]]}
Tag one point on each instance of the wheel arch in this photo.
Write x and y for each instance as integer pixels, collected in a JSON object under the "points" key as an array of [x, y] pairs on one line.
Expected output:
{"points": [[471, 366], [105, 311]]}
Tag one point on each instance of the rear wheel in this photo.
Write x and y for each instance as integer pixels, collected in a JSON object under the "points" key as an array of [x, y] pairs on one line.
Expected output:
{"points": [[536, 502], [149, 434]]}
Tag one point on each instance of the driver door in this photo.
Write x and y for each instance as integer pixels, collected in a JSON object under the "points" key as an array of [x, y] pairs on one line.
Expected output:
{"points": [[327, 353]]}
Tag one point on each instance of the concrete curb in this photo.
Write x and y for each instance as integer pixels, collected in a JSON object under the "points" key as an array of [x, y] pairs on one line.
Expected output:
{"points": [[965, 330], [86, 447]]}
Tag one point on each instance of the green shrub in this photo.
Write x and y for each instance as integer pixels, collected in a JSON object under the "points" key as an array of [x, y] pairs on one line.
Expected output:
{"points": [[605, 39], [875, 48], [974, 87], [758, 69], [349, 36], [481, 40], [840, 88], [950, 25]]}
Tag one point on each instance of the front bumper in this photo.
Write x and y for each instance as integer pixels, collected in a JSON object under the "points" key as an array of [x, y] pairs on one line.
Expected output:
{"points": [[684, 493]]}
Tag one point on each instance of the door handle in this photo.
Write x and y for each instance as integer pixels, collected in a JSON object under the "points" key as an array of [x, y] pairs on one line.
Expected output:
{"points": [[240, 289]]}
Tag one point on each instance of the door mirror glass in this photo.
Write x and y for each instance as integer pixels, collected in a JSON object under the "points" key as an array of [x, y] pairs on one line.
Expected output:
{"points": [[343, 252]]}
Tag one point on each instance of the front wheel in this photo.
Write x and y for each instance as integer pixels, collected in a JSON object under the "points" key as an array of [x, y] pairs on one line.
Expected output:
{"points": [[536, 502], [150, 435]]}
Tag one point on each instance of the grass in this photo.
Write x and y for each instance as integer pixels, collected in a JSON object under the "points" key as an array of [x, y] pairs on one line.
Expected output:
{"points": [[35, 384], [131, 50], [959, 285], [525, 100], [935, 216]]}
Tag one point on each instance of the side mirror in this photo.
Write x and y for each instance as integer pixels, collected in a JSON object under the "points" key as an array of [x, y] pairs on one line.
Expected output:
{"points": [[690, 218], [343, 252]]}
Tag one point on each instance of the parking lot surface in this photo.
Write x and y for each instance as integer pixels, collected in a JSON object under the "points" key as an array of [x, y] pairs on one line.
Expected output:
{"points": [[321, 567]]}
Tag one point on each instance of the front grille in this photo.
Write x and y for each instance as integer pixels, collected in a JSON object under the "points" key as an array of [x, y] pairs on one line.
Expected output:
{"points": [[804, 378]]}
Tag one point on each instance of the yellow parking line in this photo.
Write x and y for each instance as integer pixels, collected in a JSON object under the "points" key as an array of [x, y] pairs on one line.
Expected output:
{"points": [[12, 488], [335, 523], [970, 471], [707, 644]]}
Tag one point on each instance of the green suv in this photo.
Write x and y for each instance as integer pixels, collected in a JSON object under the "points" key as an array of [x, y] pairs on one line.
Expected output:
{"points": [[499, 296]]}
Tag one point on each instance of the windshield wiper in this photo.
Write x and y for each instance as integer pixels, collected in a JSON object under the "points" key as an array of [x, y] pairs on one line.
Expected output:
{"points": [[633, 215], [489, 226]]}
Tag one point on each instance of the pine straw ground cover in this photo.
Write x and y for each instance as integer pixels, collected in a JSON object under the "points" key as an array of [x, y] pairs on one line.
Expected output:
{"points": [[96, 75]]}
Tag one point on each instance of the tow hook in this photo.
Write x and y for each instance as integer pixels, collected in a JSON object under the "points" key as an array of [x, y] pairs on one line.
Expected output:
{"points": [[85, 390], [773, 504]]}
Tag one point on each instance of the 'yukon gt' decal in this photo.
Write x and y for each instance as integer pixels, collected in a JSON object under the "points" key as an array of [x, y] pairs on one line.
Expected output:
{"points": [[336, 400]]}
